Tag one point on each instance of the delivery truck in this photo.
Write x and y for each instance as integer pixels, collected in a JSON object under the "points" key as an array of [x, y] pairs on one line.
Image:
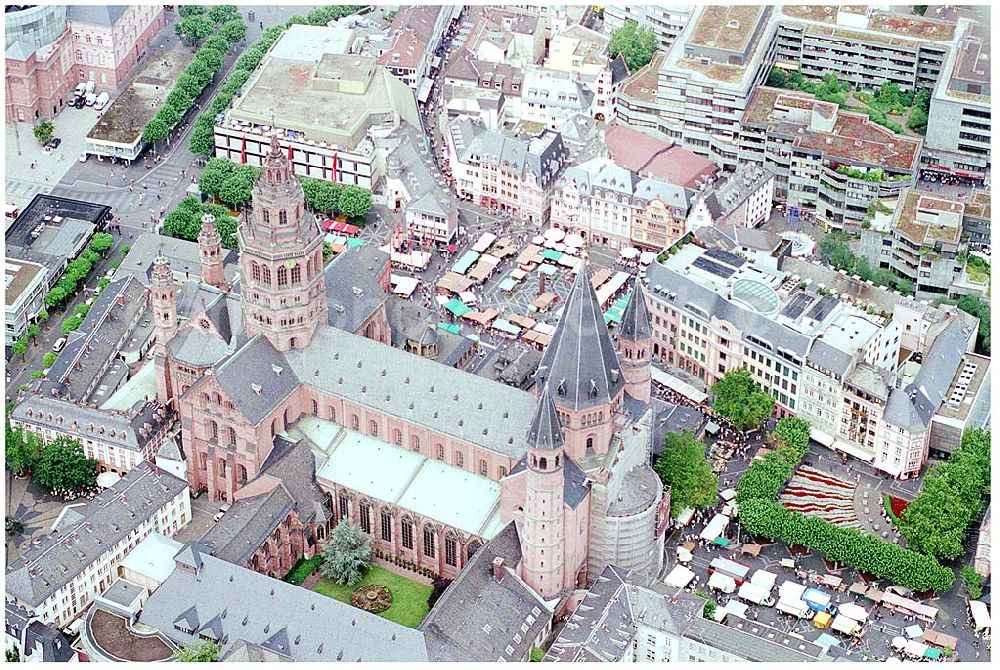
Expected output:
{"points": [[819, 601], [755, 594], [795, 608]]}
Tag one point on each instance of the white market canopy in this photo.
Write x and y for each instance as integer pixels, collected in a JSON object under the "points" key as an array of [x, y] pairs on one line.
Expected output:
{"points": [[715, 527], [555, 234], [981, 614], [680, 576], [647, 257], [852, 611], [108, 479], [573, 240], [628, 253], [537, 239], [403, 285]]}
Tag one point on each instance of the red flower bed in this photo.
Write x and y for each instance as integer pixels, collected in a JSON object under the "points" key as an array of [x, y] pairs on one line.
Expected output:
{"points": [[898, 505], [823, 478], [814, 493]]}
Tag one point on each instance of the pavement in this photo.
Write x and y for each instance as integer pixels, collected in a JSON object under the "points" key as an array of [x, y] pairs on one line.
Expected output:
{"points": [[37, 509]]}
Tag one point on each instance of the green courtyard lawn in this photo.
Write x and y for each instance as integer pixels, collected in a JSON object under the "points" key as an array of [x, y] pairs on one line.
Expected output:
{"points": [[409, 599]]}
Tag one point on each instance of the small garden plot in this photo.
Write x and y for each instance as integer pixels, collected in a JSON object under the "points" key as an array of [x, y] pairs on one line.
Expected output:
{"points": [[817, 493]]}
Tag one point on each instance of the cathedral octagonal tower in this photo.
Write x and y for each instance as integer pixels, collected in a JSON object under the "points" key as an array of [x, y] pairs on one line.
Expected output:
{"points": [[281, 260], [581, 368]]}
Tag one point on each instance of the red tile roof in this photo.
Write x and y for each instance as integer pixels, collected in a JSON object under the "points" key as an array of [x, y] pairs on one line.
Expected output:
{"points": [[648, 156]]}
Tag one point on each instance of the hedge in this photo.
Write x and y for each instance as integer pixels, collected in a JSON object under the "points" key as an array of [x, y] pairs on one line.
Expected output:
{"points": [[305, 567], [761, 515]]}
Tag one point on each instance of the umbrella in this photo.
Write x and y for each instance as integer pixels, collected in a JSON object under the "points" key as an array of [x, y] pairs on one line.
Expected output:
{"points": [[647, 257], [537, 239], [628, 253], [573, 240], [898, 642], [559, 246], [555, 234], [914, 631]]}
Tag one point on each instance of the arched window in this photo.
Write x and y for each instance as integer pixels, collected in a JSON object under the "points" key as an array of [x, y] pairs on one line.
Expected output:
{"points": [[297, 274], [288, 415], [366, 516], [282, 275], [282, 217], [386, 525], [267, 274], [415, 443], [590, 443], [428, 541], [451, 551], [440, 452], [267, 216], [255, 271], [309, 268], [213, 430], [231, 434], [543, 463], [502, 472], [315, 406], [406, 533], [241, 474], [344, 506], [373, 428], [274, 428], [397, 436], [355, 422], [332, 412], [459, 459]]}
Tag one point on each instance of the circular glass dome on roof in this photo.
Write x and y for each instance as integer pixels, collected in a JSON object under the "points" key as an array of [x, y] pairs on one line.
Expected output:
{"points": [[757, 296]]}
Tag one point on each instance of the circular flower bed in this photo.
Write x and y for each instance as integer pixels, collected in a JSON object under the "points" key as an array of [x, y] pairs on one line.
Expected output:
{"points": [[372, 598]]}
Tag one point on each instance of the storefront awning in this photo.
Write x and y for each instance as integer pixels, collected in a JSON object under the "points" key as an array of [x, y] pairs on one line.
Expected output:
{"points": [[825, 439], [853, 450]]}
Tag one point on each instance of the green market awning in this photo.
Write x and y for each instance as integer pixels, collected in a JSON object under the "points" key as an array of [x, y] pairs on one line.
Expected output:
{"points": [[508, 284], [354, 242], [932, 653], [721, 541], [465, 262], [457, 307], [450, 327], [552, 255]]}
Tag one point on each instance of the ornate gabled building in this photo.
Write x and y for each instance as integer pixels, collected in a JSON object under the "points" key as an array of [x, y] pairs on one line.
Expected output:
{"points": [[431, 461]]}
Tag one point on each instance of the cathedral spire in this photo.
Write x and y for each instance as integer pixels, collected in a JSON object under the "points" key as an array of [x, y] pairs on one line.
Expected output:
{"points": [[635, 322], [545, 432]]}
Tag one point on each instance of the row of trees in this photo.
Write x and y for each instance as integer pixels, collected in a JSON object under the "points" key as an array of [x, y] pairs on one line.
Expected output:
{"points": [[77, 270], [834, 250], [230, 182], [59, 465], [740, 399], [185, 221], [636, 44], [951, 498], [684, 467], [203, 133], [323, 15], [207, 63], [761, 515], [331, 198]]}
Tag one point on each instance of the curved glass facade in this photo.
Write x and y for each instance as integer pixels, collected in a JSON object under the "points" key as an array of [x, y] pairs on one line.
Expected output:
{"points": [[38, 25]]}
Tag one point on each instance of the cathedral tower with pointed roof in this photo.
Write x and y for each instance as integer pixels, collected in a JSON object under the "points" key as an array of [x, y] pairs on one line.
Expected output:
{"points": [[164, 304], [281, 259], [544, 509], [581, 368], [210, 253], [635, 344]]}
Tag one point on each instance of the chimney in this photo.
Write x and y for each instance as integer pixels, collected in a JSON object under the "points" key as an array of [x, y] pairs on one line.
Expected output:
{"points": [[121, 299], [498, 569]]}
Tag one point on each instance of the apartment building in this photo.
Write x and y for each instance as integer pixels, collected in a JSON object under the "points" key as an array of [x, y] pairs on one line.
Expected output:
{"points": [[863, 46], [58, 578], [666, 22], [825, 160], [923, 242], [959, 126], [613, 205], [109, 40], [513, 173], [703, 84], [743, 199], [417, 31], [361, 100], [24, 291]]}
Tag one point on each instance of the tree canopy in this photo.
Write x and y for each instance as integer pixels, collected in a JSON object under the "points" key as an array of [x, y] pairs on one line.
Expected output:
{"points": [[684, 467], [63, 466], [230, 182], [194, 28], [184, 222], [202, 651], [740, 399], [22, 449], [348, 555], [636, 44], [44, 130], [354, 201]]}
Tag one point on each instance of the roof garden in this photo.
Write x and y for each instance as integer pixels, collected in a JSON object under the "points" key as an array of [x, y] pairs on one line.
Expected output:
{"points": [[912, 26], [909, 224], [726, 27], [643, 84], [723, 72], [116, 639]]}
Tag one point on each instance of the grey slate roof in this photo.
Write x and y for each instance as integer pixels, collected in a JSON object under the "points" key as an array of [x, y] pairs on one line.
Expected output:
{"points": [[251, 652], [913, 408], [580, 362], [102, 15], [352, 290], [756, 648], [183, 255], [635, 325], [477, 617], [521, 155], [467, 407], [55, 644], [235, 603], [602, 624], [576, 485], [545, 432], [257, 378], [43, 569], [828, 357], [197, 347], [619, 69]]}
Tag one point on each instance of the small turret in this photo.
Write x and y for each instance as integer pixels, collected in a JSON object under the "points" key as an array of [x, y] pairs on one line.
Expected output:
{"points": [[635, 345], [164, 324], [210, 251]]}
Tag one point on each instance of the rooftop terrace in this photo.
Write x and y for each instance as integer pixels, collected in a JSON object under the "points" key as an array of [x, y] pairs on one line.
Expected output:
{"points": [[643, 84], [728, 28], [909, 223]]}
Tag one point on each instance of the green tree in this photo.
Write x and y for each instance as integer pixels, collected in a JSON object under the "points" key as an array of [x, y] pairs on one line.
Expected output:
{"points": [[863, 269], [63, 466], [156, 129], [102, 283], [211, 58], [298, 20], [55, 297], [203, 136], [354, 201], [904, 286], [233, 30], [49, 359], [20, 347], [202, 651], [33, 331], [44, 130], [185, 11], [169, 115], [321, 196], [917, 121], [708, 611], [72, 323], [21, 450], [193, 29], [883, 277], [348, 555], [236, 190], [777, 77], [214, 175], [188, 85], [739, 398], [218, 43], [684, 467], [920, 9], [180, 99], [43, 316], [636, 44], [973, 582], [537, 655], [200, 72], [223, 13], [101, 242]]}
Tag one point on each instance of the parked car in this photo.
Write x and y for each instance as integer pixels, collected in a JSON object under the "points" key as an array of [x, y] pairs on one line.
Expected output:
{"points": [[54, 143], [59, 344], [102, 101], [91, 99], [80, 90]]}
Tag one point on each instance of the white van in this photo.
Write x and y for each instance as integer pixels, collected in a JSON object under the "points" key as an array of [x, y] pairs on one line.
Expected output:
{"points": [[796, 608], [91, 87], [91, 99], [59, 344], [102, 101], [80, 89]]}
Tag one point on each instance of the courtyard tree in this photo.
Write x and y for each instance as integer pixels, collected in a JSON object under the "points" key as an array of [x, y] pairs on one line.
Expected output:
{"points": [[44, 130], [20, 347], [740, 399], [63, 466], [973, 582], [636, 44], [354, 201], [202, 651], [777, 77], [101, 242], [348, 555], [21, 450], [684, 467], [223, 13]]}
